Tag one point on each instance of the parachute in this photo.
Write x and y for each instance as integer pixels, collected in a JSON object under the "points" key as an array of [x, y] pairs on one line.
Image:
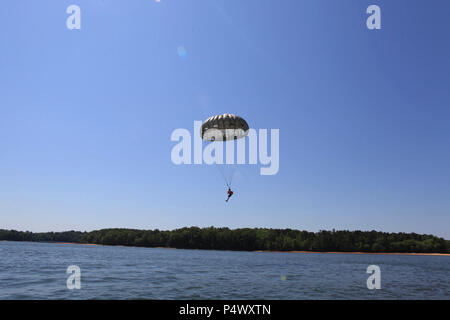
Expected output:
{"points": [[224, 127]]}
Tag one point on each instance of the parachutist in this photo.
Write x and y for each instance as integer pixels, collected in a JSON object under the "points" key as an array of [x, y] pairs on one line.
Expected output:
{"points": [[224, 127], [230, 193]]}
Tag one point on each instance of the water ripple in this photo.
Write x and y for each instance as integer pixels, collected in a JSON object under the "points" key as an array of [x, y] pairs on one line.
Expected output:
{"points": [[38, 271]]}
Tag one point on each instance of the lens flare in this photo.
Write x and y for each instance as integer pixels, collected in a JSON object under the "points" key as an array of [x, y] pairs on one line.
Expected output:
{"points": [[182, 52]]}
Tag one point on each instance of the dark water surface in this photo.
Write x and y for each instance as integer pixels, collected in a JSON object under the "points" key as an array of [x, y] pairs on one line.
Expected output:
{"points": [[38, 271]]}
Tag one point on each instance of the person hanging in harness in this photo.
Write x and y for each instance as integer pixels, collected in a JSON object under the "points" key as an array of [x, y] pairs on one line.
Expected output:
{"points": [[230, 193]]}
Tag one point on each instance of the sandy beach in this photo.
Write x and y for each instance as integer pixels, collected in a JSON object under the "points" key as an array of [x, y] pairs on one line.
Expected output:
{"points": [[379, 253]]}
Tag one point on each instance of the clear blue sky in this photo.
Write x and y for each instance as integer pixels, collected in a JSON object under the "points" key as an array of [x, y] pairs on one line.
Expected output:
{"points": [[86, 115]]}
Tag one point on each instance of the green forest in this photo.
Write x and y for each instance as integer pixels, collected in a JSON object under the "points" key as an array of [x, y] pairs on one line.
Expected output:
{"points": [[246, 239]]}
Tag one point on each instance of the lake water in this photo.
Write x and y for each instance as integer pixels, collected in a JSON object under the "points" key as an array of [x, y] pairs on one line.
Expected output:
{"points": [[38, 271]]}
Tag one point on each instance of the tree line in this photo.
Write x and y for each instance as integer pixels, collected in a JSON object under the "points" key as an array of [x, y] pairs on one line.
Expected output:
{"points": [[66, 236], [247, 239]]}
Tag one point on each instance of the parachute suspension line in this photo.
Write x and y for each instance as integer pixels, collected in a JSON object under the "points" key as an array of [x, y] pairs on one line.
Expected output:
{"points": [[224, 172], [232, 176], [223, 175], [228, 180]]}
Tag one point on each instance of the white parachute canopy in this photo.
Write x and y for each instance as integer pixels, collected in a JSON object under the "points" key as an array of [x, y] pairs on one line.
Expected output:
{"points": [[224, 127]]}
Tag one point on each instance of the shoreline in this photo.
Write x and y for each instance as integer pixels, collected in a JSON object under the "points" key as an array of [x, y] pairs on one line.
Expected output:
{"points": [[354, 252], [259, 251], [275, 251]]}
